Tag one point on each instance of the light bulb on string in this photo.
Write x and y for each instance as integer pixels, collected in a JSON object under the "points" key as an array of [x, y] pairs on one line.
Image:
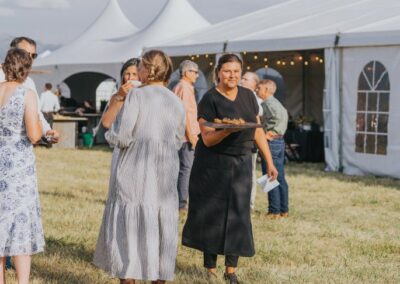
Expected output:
{"points": [[300, 57], [197, 55], [283, 63], [317, 58], [292, 63], [265, 66], [206, 55], [192, 57], [305, 63], [321, 61], [255, 57], [244, 52], [265, 59], [248, 67], [278, 62]]}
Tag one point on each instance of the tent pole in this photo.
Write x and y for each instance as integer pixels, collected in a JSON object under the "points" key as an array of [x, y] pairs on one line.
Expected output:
{"points": [[304, 54], [340, 88]]}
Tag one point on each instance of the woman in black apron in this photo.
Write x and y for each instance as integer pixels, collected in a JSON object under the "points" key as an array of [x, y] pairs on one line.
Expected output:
{"points": [[220, 183]]}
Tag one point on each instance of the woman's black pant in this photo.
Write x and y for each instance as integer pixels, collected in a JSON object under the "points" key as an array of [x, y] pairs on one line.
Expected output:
{"points": [[210, 260]]}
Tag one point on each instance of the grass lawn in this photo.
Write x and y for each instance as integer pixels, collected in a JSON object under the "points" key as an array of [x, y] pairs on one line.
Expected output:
{"points": [[341, 229]]}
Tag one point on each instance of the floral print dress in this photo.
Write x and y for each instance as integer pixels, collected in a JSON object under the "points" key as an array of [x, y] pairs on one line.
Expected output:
{"points": [[21, 231]]}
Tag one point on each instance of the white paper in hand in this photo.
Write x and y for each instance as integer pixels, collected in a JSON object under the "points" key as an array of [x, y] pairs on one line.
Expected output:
{"points": [[266, 183]]}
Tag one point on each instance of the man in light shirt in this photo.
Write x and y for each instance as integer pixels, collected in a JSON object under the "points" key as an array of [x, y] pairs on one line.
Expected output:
{"points": [[250, 81], [29, 45], [189, 72], [275, 120], [49, 103]]}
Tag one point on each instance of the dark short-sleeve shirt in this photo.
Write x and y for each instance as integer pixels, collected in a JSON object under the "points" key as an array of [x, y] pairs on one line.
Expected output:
{"points": [[245, 106]]}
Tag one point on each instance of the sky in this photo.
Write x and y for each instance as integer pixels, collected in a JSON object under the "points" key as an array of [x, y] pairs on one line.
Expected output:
{"points": [[56, 22]]}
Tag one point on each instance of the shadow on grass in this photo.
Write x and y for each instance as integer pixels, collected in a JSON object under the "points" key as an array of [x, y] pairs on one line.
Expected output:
{"points": [[67, 251], [72, 196], [317, 171]]}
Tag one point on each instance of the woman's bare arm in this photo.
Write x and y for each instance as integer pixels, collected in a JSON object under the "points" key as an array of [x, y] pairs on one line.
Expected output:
{"points": [[31, 117], [262, 145]]}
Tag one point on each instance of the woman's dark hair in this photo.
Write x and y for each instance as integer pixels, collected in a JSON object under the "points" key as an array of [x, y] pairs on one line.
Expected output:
{"points": [[226, 58], [158, 64], [127, 64], [17, 65]]}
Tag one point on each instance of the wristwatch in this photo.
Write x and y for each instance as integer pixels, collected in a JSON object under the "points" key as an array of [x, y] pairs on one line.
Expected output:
{"points": [[119, 98]]}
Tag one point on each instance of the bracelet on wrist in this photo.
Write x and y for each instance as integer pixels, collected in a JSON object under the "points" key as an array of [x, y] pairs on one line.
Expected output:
{"points": [[119, 98]]}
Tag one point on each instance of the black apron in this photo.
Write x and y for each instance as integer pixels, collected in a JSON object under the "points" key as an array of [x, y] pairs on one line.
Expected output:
{"points": [[219, 204]]}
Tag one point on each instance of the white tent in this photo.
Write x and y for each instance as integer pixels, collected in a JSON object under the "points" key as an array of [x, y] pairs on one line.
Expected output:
{"points": [[81, 54], [112, 39], [111, 24], [361, 40]]}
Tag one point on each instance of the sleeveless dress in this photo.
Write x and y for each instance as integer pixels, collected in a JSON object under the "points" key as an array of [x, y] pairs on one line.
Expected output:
{"points": [[21, 231]]}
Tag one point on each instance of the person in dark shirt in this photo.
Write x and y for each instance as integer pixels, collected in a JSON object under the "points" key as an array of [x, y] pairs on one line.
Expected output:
{"points": [[220, 183]]}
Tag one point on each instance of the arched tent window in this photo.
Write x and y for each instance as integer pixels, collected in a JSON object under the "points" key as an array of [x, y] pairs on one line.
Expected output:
{"points": [[104, 92], [373, 109]]}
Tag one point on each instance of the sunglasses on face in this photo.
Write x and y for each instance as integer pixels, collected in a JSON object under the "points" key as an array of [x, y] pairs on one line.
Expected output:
{"points": [[33, 55]]}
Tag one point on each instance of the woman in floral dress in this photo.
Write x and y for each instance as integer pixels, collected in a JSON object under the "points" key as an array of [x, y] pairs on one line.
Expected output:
{"points": [[21, 232]]}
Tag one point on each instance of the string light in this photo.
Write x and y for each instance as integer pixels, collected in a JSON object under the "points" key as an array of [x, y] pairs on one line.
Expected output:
{"points": [[197, 55], [300, 57], [192, 57], [283, 63], [316, 58], [206, 55], [255, 57], [292, 63], [278, 62], [244, 52], [305, 63], [265, 59], [248, 68], [266, 66], [321, 61], [211, 63]]}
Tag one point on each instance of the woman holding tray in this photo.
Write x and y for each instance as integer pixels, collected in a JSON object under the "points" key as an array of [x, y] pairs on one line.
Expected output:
{"points": [[220, 183]]}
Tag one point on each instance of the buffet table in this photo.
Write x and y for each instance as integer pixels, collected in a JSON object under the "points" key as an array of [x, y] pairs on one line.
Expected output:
{"points": [[68, 129]]}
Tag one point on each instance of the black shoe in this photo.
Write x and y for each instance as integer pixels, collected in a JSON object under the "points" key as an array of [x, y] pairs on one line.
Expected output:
{"points": [[231, 278]]}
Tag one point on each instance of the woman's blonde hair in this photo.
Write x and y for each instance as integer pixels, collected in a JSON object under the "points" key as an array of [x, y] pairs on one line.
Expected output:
{"points": [[17, 65], [158, 64]]}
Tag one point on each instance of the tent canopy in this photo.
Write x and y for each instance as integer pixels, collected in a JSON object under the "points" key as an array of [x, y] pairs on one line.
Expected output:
{"points": [[296, 25], [104, 43], [112, 23]]}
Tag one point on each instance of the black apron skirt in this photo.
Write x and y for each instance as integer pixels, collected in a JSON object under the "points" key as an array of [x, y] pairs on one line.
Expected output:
{"points": [[219, 219]]}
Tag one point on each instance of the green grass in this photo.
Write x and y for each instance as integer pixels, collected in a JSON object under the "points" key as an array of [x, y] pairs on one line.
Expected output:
{"points": [[341, 229]]}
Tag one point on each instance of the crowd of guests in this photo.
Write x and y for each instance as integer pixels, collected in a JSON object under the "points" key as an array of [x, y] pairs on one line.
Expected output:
{"points": [[165, 161]]}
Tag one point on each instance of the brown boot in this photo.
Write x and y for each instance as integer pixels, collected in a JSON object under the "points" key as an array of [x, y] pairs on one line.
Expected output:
{"points": [[272, 216], [126, 281], [285, 214]]}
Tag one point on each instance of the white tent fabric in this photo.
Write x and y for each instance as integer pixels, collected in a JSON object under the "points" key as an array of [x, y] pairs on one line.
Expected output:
{"points": [[112, 23], [364, 150], [177, 18], [331, 105], [294, 25]]}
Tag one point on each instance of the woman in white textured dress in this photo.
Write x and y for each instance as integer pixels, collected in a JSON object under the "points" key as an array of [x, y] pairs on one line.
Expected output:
{"points": [[21, 232], [139, 232]]}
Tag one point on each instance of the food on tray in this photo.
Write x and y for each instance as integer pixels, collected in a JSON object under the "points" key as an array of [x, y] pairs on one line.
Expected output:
{"points": [[225, 120]]}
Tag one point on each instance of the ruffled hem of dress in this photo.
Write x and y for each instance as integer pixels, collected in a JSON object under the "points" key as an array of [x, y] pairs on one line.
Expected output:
{"points": [[107, 241], [23, 252]]}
